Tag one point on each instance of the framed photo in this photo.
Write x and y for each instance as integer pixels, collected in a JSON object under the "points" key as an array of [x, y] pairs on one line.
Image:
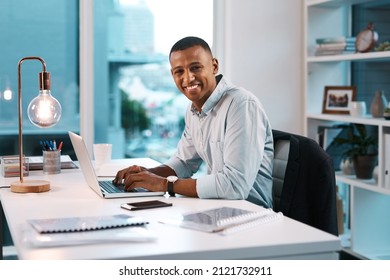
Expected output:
{"points": [[337, 99]]}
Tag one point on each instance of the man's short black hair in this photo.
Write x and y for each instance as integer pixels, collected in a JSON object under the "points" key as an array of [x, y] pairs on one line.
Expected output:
{"points": [[188, 42]]}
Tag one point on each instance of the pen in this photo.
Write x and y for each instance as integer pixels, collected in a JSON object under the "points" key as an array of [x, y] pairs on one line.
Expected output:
{"points": [[42, 145], [48, 146], [60, 146]]}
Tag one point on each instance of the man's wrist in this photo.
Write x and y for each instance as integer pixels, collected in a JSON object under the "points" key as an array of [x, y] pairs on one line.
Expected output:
{"points": [[170, 185]]}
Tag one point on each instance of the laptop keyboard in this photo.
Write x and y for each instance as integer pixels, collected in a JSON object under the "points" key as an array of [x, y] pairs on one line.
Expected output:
{"points": [[109, 187]]}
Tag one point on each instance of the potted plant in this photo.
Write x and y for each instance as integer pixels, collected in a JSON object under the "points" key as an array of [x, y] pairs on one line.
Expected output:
{"points": [[362, 148]]}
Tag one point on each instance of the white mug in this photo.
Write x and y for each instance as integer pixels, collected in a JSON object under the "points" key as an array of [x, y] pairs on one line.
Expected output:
{"points": [[102, 153], [358, 108]]}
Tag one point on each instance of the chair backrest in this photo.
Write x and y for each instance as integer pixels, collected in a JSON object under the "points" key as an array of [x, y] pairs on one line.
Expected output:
{"points": [[281, 151], [304, 184]]}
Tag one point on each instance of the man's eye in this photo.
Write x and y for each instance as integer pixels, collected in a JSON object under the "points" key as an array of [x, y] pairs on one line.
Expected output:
{"points": [[178, 72], [196, 68]]}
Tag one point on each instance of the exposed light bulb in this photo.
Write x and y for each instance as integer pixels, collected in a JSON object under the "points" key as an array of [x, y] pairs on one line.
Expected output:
{"points": [[44, 110], [7, 94]]}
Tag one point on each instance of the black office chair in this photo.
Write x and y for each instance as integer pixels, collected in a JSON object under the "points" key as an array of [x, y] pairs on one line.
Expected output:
{"points": [[304, 184]]}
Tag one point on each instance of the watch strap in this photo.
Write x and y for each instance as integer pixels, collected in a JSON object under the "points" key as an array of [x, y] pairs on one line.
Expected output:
{"points": [[170, 189]]}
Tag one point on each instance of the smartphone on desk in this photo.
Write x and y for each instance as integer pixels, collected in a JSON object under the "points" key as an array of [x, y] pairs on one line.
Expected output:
{"points": [[145, 205]]}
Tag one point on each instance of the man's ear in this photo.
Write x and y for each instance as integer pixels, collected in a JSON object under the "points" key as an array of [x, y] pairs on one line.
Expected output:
{"points": [[215, 65]]}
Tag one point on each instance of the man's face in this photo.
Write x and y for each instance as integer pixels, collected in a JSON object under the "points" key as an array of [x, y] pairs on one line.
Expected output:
{"points": [[194, 71]]}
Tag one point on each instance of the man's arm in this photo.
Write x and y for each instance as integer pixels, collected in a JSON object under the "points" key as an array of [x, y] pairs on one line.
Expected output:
{"points": [[162, 170], [154, 179], [185, 187]]}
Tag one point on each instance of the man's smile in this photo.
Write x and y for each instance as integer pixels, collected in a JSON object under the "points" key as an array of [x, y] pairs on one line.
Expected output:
{"points": [[191, 88]]}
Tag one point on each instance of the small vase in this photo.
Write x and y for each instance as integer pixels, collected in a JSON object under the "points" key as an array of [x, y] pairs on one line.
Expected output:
{"points": [[346, 166], [378, 104]]}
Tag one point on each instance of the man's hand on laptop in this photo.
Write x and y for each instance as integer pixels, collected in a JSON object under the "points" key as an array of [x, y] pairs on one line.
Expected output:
{"points": [[139, 177]]}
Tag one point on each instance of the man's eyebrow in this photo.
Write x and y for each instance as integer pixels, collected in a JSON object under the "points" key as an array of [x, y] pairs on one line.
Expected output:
{"points": [[177, 67], [191, 64]]}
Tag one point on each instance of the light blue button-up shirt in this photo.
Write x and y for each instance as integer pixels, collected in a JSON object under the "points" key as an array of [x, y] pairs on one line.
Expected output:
{"points": [[233, 136]]}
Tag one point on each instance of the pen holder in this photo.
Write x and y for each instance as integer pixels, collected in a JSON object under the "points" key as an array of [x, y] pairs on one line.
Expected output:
{"points": [[10, 166], [52, 162]]}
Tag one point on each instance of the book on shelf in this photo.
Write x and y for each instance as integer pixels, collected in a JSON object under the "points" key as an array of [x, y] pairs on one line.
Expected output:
{"points": [[350, 49], [334, 45], [335, 40], [330, 40], [223, 219], [323, 52]]}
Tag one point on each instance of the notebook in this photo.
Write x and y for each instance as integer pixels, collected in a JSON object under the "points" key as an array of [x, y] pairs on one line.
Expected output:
{"points": [[223, 219], [86, 230], [76, 224], [103, 188], [115, 235]]}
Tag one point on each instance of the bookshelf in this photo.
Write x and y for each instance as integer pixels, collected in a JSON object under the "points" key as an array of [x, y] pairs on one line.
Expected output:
{"points": [[366, 202]]}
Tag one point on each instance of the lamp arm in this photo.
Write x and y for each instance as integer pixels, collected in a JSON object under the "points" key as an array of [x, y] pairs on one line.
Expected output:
{"points": [[20, 108]]}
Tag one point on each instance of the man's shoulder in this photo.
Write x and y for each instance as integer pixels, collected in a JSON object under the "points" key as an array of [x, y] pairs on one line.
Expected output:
{"points": [[240, 94], [236, 92]]}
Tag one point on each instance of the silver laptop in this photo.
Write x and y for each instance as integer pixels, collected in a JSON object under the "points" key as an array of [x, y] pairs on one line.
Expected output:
{"points": [[105, 189]]}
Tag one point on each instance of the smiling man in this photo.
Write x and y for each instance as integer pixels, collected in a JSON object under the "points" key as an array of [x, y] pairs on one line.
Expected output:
{"points": [[226, 127]]}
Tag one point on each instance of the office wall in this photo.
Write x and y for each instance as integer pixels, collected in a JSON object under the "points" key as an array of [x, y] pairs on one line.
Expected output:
{"points": [[262, 51]]}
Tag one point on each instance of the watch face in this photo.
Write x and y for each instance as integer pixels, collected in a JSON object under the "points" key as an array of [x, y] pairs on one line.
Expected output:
{"points": [[365, 41], [172, 179]]}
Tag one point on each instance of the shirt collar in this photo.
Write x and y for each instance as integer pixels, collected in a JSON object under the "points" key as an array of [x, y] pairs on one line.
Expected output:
{"points": [[213, 98]]}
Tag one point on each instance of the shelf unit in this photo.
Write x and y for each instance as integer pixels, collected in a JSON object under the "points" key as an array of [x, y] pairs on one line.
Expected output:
{"points": [[368, 227]]}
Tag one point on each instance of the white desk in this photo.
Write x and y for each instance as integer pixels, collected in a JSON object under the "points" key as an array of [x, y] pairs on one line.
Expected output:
{"points": [[70, 196]]}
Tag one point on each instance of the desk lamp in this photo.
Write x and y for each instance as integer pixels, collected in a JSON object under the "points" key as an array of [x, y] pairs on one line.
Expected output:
{"points": [[43, 111]]}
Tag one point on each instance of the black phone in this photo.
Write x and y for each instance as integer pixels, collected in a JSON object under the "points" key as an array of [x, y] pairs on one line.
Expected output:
{"points": [[145, 205]]}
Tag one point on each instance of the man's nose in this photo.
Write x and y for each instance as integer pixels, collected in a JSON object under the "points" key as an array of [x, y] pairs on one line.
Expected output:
{"points": [[189, 76]]}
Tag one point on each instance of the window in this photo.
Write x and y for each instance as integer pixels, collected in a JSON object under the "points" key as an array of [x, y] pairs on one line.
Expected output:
{"points": [[130, 56], [137, 106], [48, 29]]}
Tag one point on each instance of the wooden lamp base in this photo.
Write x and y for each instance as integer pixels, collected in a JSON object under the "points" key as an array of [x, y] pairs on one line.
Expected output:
{"points": [[33, 186]]}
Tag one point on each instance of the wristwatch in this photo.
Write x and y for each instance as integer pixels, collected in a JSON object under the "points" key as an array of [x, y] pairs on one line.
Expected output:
{"points": [[171, 180]]}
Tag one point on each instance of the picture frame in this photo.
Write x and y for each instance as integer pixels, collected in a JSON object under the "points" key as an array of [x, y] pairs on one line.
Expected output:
{"points": [[337, 99]]}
